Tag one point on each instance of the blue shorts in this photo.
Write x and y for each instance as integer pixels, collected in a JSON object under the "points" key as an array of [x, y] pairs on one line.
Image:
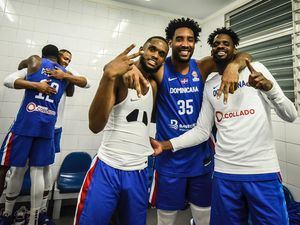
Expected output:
{"points": [[173, 193], [233, 201], [57, 137], [106, 190], [17, 149]]}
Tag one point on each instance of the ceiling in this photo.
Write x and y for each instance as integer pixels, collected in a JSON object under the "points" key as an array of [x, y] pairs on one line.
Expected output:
{"points": [[199, 9]]}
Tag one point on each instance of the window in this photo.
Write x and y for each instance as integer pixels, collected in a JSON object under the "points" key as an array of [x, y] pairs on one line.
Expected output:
{"points": [[268, 30]]}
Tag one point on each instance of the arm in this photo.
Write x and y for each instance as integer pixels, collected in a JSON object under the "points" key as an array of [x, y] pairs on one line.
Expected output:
{"points": [[230, 76], [105, 96], [197, 135], [70, 90], [272, 93], [79, 81], [32, 63], [9, 81]]}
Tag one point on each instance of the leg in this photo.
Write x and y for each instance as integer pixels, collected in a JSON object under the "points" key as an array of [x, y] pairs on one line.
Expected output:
{"points": [[199, 196], [170, 196], [96, 207], [133, 202], [228, 204], [47, 178], [3, 171], [36, 193], [266, 202], [14, 186]]}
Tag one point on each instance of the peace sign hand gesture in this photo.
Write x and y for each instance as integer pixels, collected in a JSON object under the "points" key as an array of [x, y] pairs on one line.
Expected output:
{"points": [[121, 64]]}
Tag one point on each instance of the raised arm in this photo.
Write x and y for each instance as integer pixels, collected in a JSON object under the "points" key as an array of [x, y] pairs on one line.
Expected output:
{"points": [[230, 76], [105, 96], [271, 91]]}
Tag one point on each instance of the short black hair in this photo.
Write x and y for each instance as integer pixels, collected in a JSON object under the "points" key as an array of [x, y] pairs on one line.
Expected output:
{"points": [[223, 30], [62, 51], [182, 22], [50, 51], [157, 37]]}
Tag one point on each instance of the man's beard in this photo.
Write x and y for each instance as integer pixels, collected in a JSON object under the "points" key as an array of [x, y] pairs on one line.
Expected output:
{"points": [[146, 68], [178, 59]]}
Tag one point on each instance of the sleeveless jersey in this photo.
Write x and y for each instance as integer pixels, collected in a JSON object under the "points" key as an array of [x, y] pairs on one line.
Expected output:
{"points": [[38, 112], [125, 143], [178, 106]]}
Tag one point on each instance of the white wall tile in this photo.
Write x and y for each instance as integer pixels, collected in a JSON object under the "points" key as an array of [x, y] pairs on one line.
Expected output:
{"points": [[293, 154], [295, 192], [292, 133], [292, 172]]}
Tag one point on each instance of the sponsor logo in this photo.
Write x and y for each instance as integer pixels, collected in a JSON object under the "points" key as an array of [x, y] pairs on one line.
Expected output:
{"points": [[195, 76], [229, 115], [135, 99], [183, 90], [182, 127], [32, 107], [171, 79]]}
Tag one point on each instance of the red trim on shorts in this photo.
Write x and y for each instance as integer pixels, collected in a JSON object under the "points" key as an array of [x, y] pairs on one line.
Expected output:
{"points": [[153, 196], [84, 190], [8, 150]]}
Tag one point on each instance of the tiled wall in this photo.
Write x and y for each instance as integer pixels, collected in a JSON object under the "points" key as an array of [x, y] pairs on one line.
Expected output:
{"points": [[287, 138], [94, 31]]}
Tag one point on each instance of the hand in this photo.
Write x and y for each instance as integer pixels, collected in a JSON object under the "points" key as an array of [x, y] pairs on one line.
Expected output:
{"points": [[121, 64], [56, 73], [229, 82], [157, 147], [133, 79], [45, 88], [257, 79]]}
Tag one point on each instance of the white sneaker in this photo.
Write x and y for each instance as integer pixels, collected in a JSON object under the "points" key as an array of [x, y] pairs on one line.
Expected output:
{"points": [[192, 222]]}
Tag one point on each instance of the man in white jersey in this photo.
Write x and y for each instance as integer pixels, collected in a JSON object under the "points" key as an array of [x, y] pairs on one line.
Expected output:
{"points": [[117, 179], [246, 178], [73, 78]]}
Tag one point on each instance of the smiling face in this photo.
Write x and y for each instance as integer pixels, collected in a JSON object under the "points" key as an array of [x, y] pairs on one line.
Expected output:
{"points": [[155, 53], [183, 44], [223, 49], [64, 59]]}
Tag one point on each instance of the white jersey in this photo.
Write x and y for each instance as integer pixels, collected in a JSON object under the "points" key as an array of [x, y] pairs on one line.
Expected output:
{"points": [[245, 142], [125, 143]]}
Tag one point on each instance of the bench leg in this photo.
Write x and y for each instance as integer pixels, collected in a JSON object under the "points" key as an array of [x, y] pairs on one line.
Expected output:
{"points": [[56, 209]]}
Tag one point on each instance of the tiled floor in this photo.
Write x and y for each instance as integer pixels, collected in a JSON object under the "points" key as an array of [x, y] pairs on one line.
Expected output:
{"points": [[67, 214]]}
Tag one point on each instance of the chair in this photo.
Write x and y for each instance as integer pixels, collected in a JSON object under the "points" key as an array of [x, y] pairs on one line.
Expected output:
{"points": [[70, 178]]}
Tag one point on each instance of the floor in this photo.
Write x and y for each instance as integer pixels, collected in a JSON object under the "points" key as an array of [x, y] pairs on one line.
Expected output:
{"points": [[67, 214]]}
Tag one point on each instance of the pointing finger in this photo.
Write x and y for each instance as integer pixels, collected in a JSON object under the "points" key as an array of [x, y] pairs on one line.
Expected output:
{"points": [[251, 69]]}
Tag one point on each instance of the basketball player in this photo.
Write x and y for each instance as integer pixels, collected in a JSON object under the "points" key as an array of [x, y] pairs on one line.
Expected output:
{"points": [[246, 178], [185, 174], [31, 136], [73, 78], [118, 178]]}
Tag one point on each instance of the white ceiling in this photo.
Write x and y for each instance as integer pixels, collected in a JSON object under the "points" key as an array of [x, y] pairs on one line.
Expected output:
{"points": [[190, 8]]}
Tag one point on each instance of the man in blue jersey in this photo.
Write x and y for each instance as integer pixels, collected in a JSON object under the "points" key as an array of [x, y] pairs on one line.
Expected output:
{"points": [[246, 178], [73, 78], [31, 135], [184, 177]]}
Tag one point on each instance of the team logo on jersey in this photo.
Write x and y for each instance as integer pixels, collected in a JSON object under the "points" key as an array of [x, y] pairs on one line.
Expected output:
{"points": [[229, 115], [195, 76], [32, 107], [184, 81], [45, 72]]}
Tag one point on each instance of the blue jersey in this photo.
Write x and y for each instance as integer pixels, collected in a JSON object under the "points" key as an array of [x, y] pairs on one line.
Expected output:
{"points": [[178, 106], [38, 112]]}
